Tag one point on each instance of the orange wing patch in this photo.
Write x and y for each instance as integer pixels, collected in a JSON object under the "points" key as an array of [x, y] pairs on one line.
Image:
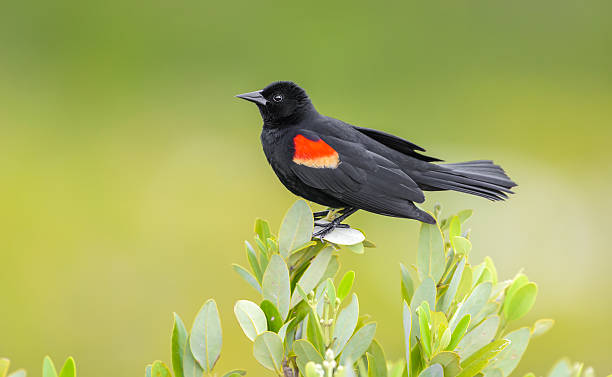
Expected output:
{"points": [[314, 154]]}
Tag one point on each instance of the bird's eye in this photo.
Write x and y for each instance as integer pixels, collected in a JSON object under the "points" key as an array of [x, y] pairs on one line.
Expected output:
{"points": [[277, 98]]}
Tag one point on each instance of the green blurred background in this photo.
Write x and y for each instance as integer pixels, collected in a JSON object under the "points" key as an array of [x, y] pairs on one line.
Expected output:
{"points": [[131, 176]]}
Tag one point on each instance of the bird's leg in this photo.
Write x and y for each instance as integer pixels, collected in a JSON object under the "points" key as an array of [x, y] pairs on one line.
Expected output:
{"points": [[336, 223], [322, 214]]}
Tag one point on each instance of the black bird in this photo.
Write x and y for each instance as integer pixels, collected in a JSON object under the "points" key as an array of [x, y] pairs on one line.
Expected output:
{"points": [[338, 165]]}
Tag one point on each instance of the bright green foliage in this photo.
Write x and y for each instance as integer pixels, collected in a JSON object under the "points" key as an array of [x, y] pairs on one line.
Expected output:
{"points": [[48, 369], [460, 315], [205, 340], [251, 318], [179, 340], [296, 229], [565, 368], [268, 350], [159, 369], [68, 370], [457, 316], [4, 368]]}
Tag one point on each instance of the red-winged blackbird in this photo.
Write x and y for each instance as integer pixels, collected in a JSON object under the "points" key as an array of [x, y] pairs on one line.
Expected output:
{"points": [[338, 165]]}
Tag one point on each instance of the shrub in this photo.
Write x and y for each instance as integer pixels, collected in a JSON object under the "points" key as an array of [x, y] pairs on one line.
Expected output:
{"points": [[457, 316]]}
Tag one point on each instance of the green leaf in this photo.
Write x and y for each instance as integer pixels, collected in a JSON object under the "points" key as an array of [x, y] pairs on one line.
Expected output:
{"points": [[251, 318], [426, 340], [179, 338], [435, 370], [521, 302], [588, 372], [407, 324], [473, 369], [246, 275], [191, 368], [359, 343], [282, 332], [296, 228], [449, 295], [262, 229], [148, 370], [499, 288], [159, 369], [276, 286], [314, 332], [561, 369], [313, 274], [490, 308], [252, 258], [486, 353], [454, 228], [417, 362], [48, 368], [477, 272], [425, 292], [541, 326], [465, 285], [206, 338], [312, 370], [459, 332], [430, 253], [235, 373], [462, 246], [330, 290], [263, 257], [462, 215], [397, 369], [377, 364], [332, 268], [493, 372], [305, 352], [268, 350], [69, 369], [519, 281], [18, 373], [345, 325], [407, 284], [508, 359], [346, 284], [357, 248], [492, 269], [473, 304], [273, 318], [449, 362], [369, 244], [444, 340], [479, 337], [272, 245], [486, 275], [4, 366]]}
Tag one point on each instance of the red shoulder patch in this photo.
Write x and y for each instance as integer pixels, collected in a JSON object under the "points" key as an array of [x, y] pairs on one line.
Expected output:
{"points": [[314, 154]]}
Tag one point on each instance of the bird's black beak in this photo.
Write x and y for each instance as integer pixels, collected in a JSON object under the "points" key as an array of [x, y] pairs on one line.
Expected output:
{"points": [[254, 97]]}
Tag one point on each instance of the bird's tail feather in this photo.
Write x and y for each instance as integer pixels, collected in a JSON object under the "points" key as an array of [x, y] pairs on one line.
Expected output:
{"points": [[481, 178]]}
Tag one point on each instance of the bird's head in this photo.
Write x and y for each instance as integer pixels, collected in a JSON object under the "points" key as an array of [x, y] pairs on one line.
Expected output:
{"points": [[281, 103]]}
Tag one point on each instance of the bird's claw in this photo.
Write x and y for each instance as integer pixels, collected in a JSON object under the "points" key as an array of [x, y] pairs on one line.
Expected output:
{"points": [[328, 228]]}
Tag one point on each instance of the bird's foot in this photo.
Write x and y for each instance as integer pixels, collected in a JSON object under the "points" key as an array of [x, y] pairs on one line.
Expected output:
{"points": [[328, 227], [321, 215]]}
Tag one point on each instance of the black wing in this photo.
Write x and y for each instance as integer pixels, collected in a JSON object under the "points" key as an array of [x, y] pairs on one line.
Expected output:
{"points": [[362, 179], [396, 143]]}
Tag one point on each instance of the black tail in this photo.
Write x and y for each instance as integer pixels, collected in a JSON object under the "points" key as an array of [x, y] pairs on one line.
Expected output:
{"points": [[481, 178]]}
